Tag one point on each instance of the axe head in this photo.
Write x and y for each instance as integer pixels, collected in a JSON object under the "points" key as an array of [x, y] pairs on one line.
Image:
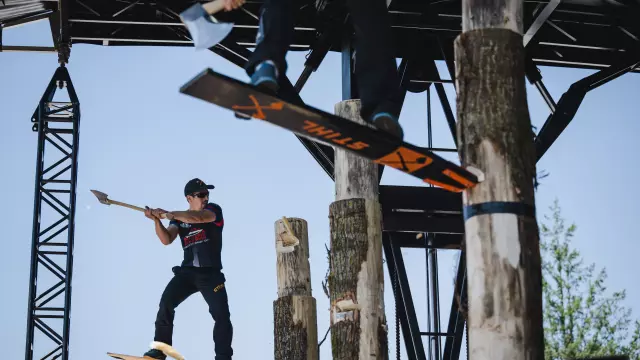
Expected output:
{"points": [[102, 197], [204, 31]]}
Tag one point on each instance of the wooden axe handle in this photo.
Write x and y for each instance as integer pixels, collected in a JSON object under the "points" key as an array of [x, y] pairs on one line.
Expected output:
{"points": [[214, 6], [126, 205], [114, 202]]}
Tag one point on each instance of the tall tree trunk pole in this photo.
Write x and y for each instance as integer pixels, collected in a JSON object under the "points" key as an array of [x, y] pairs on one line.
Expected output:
{"points": [[501, 232], [294, 312], [356, 278]]}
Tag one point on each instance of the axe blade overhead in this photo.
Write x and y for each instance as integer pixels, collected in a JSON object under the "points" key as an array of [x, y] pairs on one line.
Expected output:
{"points": [[204, 32], [102, 197]]}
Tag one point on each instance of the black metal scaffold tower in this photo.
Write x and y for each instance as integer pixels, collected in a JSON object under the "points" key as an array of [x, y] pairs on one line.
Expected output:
{"points": [[602, 35]]}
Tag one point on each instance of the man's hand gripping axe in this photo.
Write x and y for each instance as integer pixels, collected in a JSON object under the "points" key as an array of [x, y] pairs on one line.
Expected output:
{"points": [[205, 31]]}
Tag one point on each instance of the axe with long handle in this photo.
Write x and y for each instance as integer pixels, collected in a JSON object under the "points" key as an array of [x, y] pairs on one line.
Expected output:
{"points": [[204, 29], [104, 199]]}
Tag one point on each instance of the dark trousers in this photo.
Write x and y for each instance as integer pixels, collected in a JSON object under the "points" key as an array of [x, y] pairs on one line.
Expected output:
{"points": [[375, 66], [210, 283]]}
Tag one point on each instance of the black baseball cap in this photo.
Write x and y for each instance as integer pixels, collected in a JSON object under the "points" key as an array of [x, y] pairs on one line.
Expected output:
{"points": [[196, 185]]}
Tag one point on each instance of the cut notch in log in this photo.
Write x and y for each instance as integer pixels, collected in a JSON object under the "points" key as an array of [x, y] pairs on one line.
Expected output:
{"points": [[286, 241], [292, 268]]}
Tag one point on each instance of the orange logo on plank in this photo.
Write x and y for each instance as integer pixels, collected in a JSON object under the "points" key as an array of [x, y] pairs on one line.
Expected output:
{"points": [[442, 185], [458, 178], [336, 137], [259, 114], [405, 160]]}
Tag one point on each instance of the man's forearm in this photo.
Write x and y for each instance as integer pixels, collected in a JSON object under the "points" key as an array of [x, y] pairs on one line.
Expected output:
{"points": [[162, 233], [194, 216]]}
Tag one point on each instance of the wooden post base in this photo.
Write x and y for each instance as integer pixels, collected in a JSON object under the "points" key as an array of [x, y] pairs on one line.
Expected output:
{"points": [[356, 281], [295, 328]]}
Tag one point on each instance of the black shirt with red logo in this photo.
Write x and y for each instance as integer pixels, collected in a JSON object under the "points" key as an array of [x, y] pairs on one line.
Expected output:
{"points": [[202, 243]]}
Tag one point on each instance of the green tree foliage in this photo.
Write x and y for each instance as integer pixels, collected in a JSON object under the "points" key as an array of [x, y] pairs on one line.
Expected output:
{"points": [[581, 319]]}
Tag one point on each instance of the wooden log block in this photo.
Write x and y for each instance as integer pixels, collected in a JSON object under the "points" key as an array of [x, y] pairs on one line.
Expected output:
{"points": [[356, 277], [355, 176], [501, 233], [356, 281], [294, 312], [294, 275], [295, 328]]}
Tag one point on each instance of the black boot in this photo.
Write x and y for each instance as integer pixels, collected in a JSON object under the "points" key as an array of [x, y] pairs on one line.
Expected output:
{"points": [[155, 354]]}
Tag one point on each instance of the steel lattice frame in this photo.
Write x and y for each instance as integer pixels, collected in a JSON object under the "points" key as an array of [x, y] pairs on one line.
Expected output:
{"points": [[49, 304]]}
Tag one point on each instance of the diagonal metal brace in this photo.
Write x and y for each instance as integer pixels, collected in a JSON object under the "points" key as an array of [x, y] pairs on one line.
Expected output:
{"points": [[570, 101], [540, 20]]}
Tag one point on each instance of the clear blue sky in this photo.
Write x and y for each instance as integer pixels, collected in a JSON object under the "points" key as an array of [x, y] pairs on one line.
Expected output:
{"points": [[141, 140]]}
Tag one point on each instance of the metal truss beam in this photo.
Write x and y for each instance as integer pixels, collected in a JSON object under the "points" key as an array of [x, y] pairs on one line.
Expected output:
{"points": [[63, 41], [540, 20], [49, 303], [566, 34], [349, 79], [421, 223], [31, 17], [448, 56], [429, 201], [40, 49], [457, 318], [406, 319], [432, 71], [405, 310], [420, 210], [568, 105], [429, 218], [414, 240]]}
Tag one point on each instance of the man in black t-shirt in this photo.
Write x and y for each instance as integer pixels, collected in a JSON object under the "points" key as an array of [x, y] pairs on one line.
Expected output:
{"points": [[200, 230]]}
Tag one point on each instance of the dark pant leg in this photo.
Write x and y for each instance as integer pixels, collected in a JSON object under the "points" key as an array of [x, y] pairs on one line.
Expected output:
{"points": [[376, 69], [275, 34], [211, 285], [177, 290]]}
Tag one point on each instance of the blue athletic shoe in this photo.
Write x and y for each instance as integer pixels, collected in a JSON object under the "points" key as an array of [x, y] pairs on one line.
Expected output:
{"points": [[387, 122], [266, 77]]}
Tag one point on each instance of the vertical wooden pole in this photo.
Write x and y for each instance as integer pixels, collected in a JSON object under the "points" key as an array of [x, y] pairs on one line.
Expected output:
{"points": [[294, 312], [501, 232], [356, 282], [355, 176]]}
